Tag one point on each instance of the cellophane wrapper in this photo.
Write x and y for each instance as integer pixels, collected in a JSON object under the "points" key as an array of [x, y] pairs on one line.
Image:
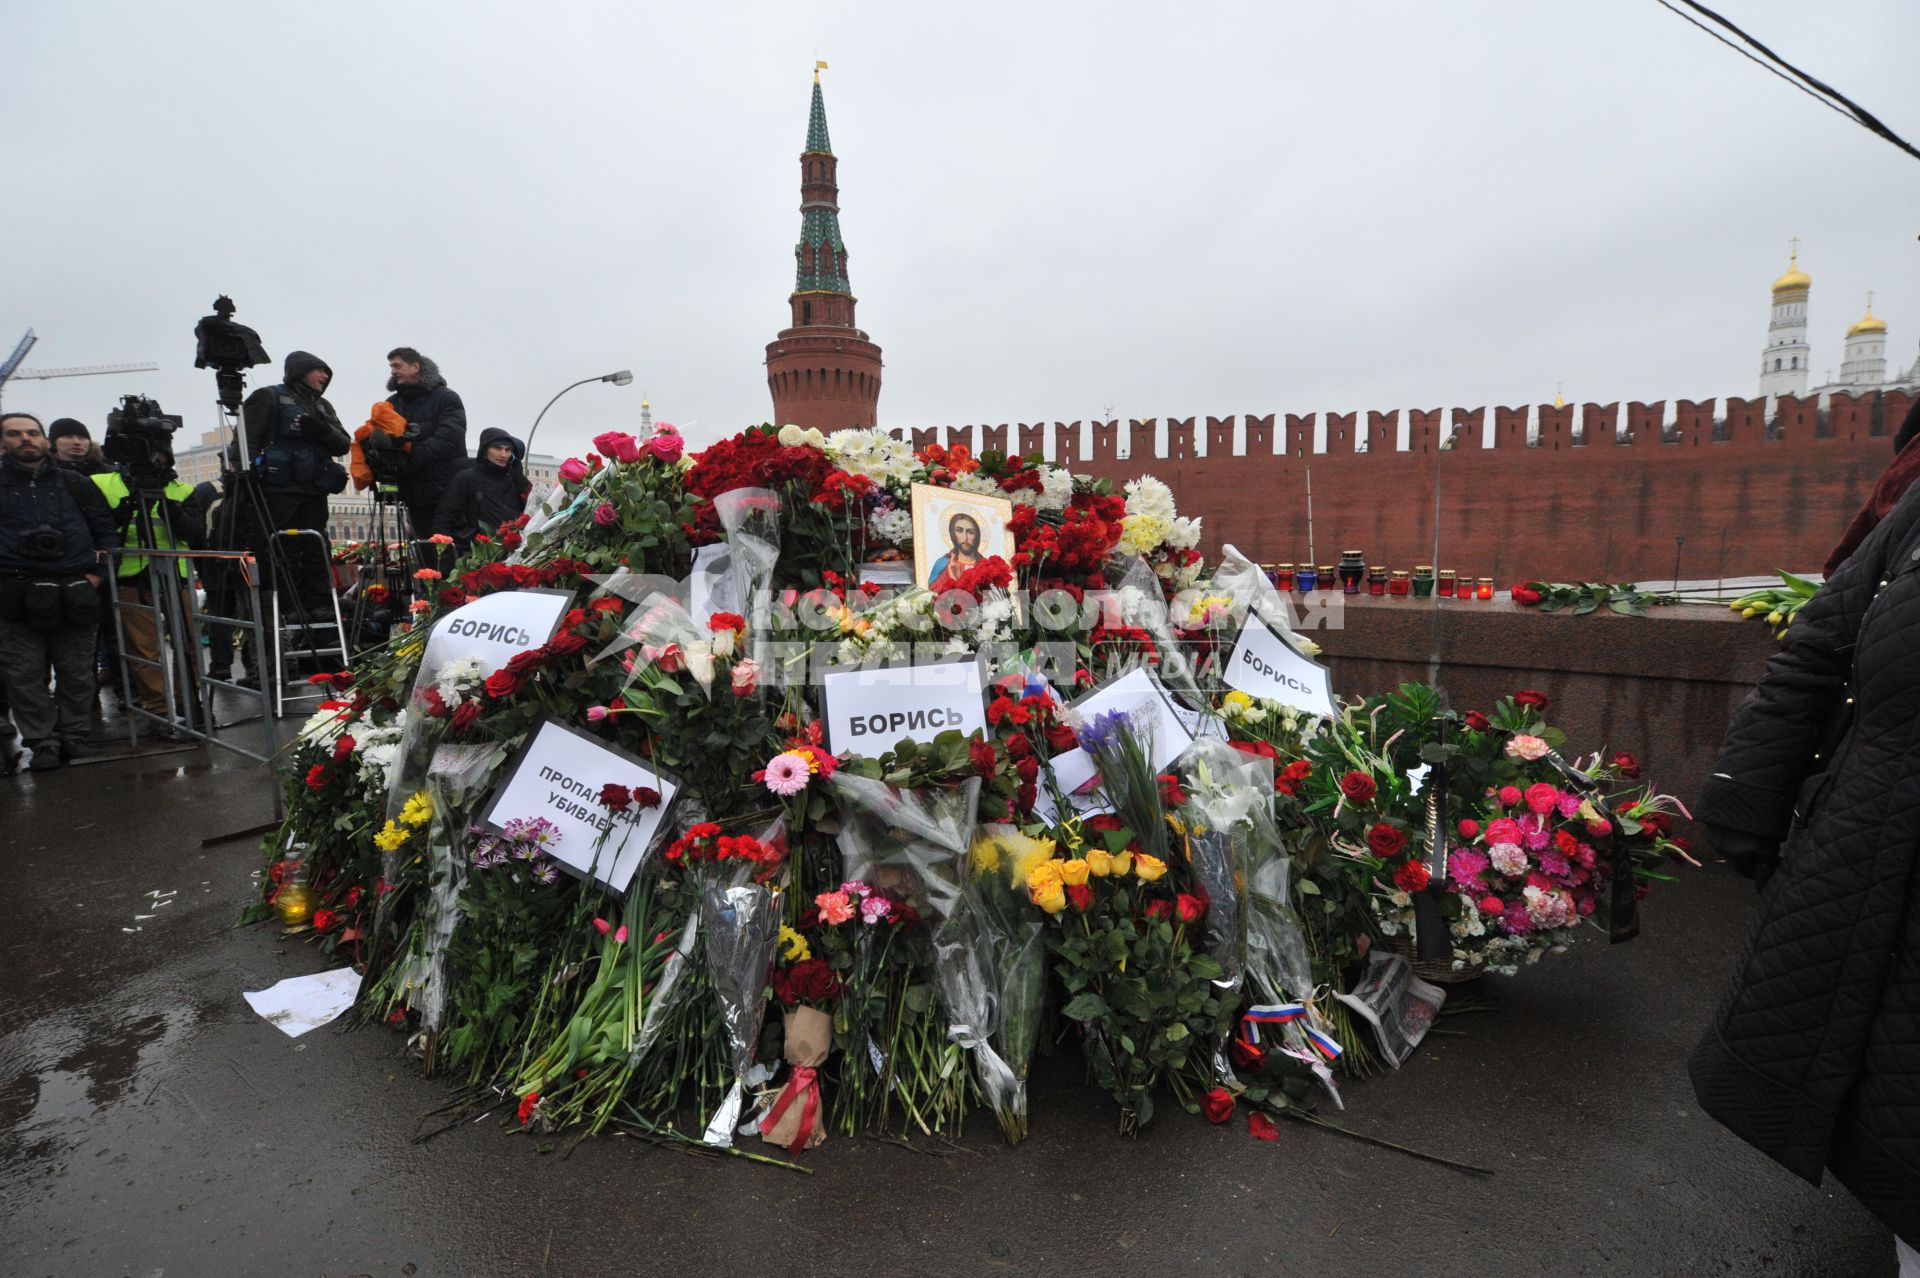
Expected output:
{"points": [[742, 927]]}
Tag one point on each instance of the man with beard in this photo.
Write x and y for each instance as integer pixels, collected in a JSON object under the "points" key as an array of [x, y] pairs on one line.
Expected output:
{"points": [[437, 424]]}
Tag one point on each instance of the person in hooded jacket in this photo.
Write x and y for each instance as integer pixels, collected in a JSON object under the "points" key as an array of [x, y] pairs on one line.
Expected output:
{"points": [[1813, 1054], [436, 427], [292, 438], [487, 493]]}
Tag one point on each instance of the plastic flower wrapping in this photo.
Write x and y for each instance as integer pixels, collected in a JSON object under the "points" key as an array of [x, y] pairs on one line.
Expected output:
{"points": [[1209, 899]]}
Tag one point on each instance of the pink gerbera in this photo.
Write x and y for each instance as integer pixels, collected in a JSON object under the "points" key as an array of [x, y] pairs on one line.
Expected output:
{"points": [[787, 774]]}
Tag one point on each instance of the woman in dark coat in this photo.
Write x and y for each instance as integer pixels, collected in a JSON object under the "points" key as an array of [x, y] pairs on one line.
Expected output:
{"points": [[1814, 1055]]}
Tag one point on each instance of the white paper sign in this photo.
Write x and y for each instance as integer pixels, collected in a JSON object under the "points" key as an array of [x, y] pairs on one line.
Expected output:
{"points": [[559, 775], [1264, 665], [1074, 768], [495, 628], [868, 710], [302, 1003]]}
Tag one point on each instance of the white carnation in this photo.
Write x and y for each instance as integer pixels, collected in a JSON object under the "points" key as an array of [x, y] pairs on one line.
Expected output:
{"points": [[1056, 487], [1148, 496]]}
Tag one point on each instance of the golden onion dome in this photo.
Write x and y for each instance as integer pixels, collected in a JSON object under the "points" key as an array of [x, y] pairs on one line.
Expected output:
{"points": [[1794, 278], [1868, 323]]}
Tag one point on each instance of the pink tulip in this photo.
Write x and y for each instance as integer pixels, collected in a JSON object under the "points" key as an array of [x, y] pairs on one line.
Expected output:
{"points": [[602, 926], [573, 470], [596, 713], [620, 937]]}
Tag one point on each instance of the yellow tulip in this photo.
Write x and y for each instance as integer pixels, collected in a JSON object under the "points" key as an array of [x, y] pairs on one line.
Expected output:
{"points": [[1099, 862], [1073, 873], [1149, 867]]}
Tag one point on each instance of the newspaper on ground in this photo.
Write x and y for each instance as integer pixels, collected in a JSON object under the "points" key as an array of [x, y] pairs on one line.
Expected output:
{"points": [[1397, 1004]]}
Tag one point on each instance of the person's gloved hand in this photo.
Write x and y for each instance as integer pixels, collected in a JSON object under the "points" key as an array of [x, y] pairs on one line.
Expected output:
{"points": [[1753, 855]]}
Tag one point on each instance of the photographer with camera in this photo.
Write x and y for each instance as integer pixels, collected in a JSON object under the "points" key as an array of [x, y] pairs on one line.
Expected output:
{"points": [[292, 438], [54, 527], [155, 509], [437, 426]]}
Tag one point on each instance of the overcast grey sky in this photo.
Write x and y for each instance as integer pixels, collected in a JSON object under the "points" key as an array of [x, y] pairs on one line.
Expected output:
{"points": [[1050, 208]]}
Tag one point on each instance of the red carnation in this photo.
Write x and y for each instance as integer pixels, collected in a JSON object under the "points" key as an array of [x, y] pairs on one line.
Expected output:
{"points": [[615, 797], [1217, 1105], [1528, 697], [1385, 840], [645, 797], [1412, 876], [1492, 905], [1357, 786], [1018, 747], [981, 754], [1059, 737], [1170, 792], [318, 775], [323, 920], [1469, 829]]}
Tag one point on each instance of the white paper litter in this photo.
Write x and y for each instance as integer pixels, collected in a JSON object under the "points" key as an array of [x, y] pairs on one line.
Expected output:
{"points": [[302, 1003]]}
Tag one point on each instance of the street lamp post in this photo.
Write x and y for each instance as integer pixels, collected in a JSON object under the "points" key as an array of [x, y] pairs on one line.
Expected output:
{"points": [[622, 378]]}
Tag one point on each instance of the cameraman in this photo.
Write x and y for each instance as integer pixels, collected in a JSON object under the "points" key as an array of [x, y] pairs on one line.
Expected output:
{"points": [[293, 435], [174, 520], [54, 526], [437, 424]]}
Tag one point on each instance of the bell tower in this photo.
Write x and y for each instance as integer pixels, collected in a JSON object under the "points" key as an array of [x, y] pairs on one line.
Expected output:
{"points": [[823, 372]]}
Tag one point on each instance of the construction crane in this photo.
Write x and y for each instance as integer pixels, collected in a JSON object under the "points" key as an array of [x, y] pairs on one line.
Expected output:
{"points": [[10, 371]]}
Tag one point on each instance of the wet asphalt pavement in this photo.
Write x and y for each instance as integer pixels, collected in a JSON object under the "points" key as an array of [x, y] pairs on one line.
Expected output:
{"points": [[151, 1125]]}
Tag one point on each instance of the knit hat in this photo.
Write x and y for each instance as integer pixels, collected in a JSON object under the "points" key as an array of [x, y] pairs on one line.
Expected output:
{"points": [[63, 426]]}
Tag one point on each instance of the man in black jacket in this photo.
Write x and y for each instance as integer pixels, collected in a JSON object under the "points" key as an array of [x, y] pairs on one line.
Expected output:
{"points": [[293, 435], [490, 491], [54, 525], [437, 424], [73, 446]]}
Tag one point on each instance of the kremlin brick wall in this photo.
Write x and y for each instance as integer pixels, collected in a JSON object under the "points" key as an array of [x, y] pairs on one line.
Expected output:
{"points": [[1598, 495]]}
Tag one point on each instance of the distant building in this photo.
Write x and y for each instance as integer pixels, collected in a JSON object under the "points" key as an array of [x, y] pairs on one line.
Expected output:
{"points": [[1786, 362], [823, 371]]}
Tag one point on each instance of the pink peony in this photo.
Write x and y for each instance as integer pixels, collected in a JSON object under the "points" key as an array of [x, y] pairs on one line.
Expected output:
{"points": [[787, 774], [1528, 747], [605, 515], [1542, 798], [572, 470], [834, 908], [1509, 795], [1503, 830]]}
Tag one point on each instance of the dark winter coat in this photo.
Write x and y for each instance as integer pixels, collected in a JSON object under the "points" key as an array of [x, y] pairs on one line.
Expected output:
{"points": [[438, 419], [62, 499], [483, 496], [1814, 1054], [1887, 490], [271, 414]]}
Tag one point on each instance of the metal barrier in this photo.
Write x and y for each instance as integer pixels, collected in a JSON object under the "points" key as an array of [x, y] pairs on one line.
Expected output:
{"points": [[177, 618]]}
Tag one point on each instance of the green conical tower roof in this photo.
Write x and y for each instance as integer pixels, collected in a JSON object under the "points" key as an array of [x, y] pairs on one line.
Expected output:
{"points": [[817, 140]]}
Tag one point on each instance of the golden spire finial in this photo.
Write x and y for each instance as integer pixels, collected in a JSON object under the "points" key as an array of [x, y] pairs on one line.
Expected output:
{"points": [[1793, 251], [1559, 400], [818, 67]]}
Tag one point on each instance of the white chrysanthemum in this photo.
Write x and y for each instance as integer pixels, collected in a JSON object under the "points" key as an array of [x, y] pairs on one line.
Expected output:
{"points": [[1056, 487], [1183, 533], [323, 727], [874, 454], [895, 527], [1148, 496], [1142, 533], [975, 482]]}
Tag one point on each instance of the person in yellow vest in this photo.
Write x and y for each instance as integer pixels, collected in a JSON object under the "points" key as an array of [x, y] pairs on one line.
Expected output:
{"points": [[174, 521]]}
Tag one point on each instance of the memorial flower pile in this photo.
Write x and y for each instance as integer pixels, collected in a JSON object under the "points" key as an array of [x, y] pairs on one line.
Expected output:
{"points": [[610, 851]]}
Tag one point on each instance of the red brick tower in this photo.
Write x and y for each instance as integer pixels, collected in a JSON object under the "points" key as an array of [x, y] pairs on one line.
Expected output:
{"points": [[823, 371]]}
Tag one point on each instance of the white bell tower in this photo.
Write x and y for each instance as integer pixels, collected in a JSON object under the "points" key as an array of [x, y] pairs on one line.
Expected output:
{"points": [[1783, 364]]}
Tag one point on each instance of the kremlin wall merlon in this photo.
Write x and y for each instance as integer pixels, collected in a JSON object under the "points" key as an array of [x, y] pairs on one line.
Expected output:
{"points": [[1560, 495]]}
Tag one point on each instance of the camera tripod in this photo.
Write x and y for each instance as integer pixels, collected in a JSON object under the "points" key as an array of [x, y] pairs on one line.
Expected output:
{"points": [[385, 578]]}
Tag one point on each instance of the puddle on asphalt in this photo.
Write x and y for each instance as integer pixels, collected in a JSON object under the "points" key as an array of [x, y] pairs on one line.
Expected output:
{"points": [[64, 1070]]}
